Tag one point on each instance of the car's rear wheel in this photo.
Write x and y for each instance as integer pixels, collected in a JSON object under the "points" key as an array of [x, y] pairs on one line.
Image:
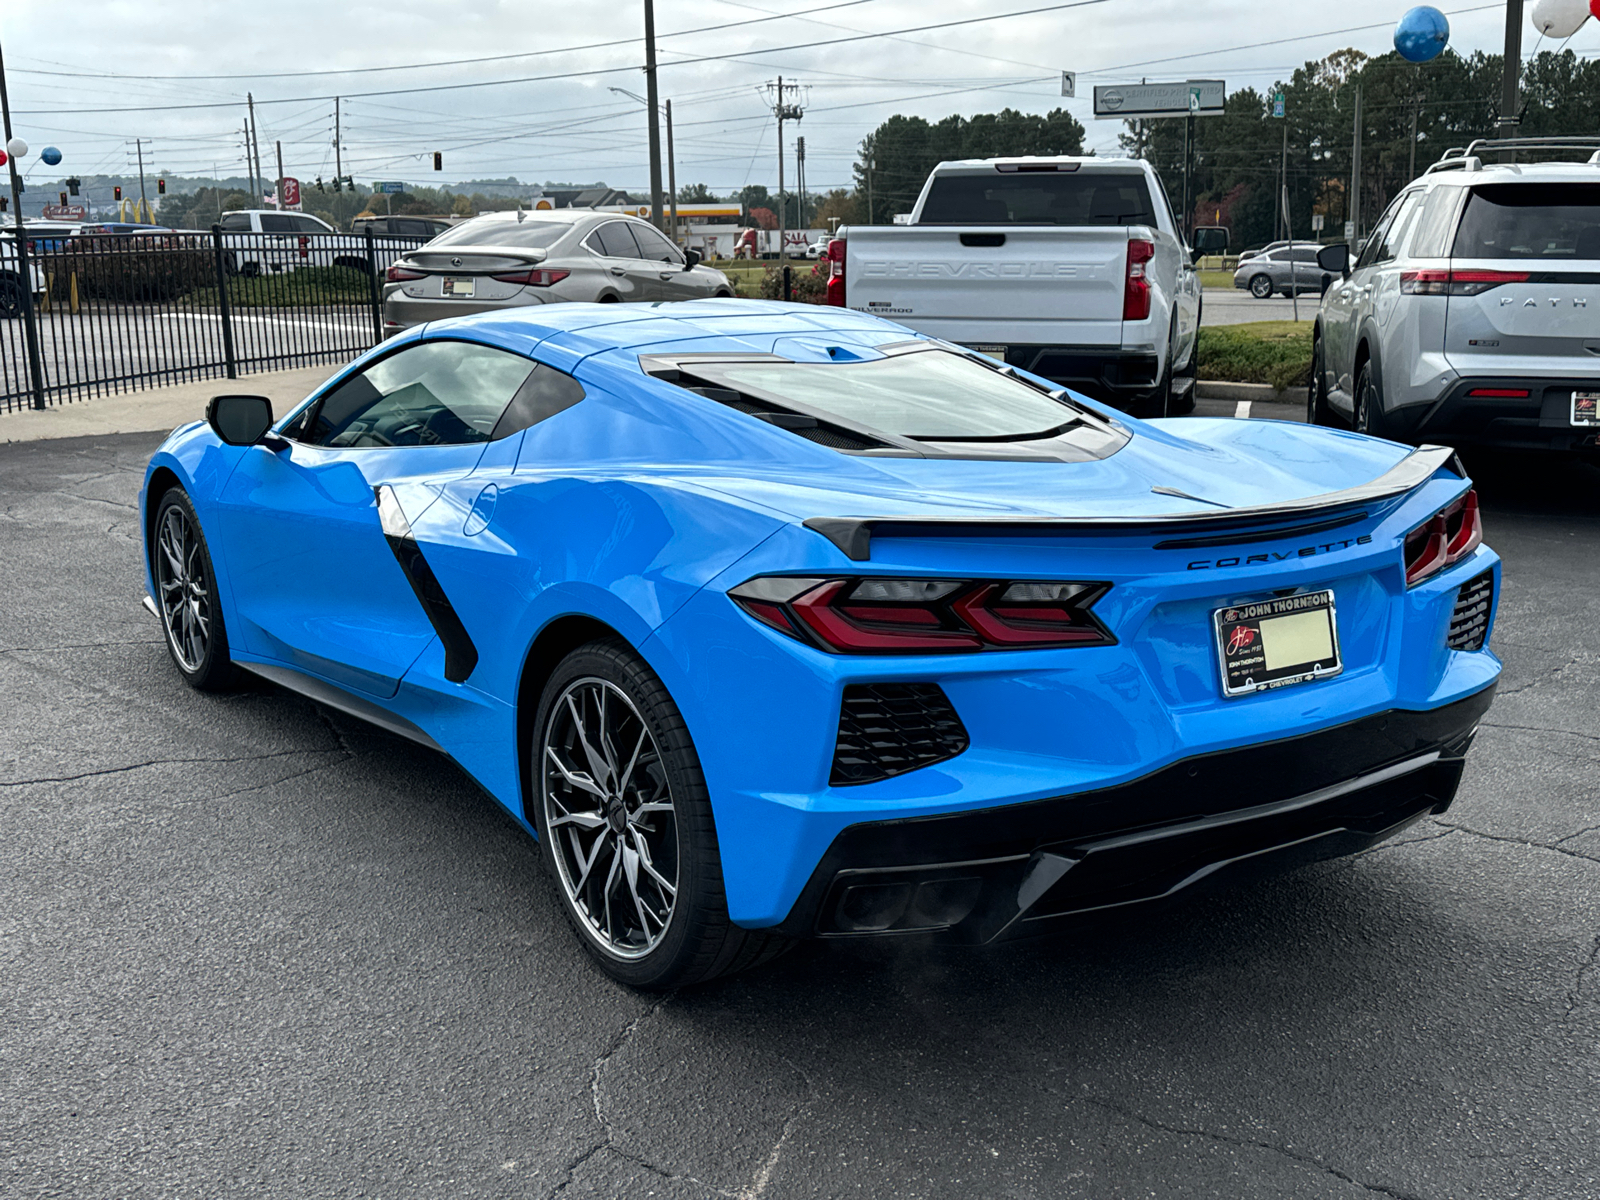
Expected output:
{"points": [[1317, 412], [626, 826], [1368, 417], [186, 594], [1261, 287]]}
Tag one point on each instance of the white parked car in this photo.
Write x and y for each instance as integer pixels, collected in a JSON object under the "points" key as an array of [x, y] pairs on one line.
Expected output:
{"points": [[1071, 268], [1472, 315]]}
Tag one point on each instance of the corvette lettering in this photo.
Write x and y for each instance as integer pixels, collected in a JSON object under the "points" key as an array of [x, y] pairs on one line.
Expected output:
{"points": [[1277, 556]]}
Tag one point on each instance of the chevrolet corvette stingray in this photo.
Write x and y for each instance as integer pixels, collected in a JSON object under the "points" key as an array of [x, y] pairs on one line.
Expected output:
{"points": [[775, 621]]}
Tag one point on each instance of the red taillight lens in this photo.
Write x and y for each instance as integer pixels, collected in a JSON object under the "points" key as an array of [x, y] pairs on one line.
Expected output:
{"points": [[1136, 288], [533, 278], [1443, 539], [871, 615], [400, 275], [836, 250], [1502, 393], [1439, 282]]}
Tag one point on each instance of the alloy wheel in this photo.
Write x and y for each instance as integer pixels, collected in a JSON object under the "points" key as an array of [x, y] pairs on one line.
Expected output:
{"points": [[609, 817], [185, 589]]}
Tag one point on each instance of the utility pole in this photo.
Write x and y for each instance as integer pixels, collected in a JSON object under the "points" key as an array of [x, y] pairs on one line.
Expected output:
{"points": [[255, 149], [672, 174], [1188, 202], [138, 145], [249, 170], [277, 188], [338, 150], [784, 112], [871, 162], [800, 180], [1355, 174], [1510, 118], [651, 104], [30, 321], [1411, 166]]}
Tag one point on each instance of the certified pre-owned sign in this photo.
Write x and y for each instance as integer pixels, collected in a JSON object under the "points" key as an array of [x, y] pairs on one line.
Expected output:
{"points": [[1193, 97]]}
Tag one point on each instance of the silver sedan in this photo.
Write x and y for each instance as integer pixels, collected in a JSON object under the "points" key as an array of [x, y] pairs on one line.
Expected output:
{"points": [[1284, 270], [511, 259]]}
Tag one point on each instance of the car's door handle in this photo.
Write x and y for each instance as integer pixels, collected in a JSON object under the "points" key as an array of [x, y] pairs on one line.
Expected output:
{"points": [[619, 270], [668, 274]]}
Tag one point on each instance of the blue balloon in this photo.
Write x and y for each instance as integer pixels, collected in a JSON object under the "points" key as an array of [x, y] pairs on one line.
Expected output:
{"points": [[50, 155], [1422, 34]]}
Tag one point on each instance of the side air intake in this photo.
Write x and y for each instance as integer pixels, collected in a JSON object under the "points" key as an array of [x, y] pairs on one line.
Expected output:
{"points": [[888, 729], [1469, 623]]}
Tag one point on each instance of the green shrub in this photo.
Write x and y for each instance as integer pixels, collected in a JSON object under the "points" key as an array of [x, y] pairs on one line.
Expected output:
{"points": [[131, 269], [1274, 352], [806, 285]]}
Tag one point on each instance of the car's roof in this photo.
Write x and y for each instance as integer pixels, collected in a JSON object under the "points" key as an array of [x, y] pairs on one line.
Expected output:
{"points": [[1547, 172], [983, 166], [553, 216]]}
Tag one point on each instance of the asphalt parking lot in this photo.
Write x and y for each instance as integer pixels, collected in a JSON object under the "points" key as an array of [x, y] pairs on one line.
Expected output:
{"points": [[249, 947]]}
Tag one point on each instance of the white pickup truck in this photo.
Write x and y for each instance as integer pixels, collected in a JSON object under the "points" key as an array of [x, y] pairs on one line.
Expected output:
{"points": [[1072, 268], [263, 241]]}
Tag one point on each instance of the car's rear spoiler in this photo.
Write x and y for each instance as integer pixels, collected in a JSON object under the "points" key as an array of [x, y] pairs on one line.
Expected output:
{"points": [[853, 535]]}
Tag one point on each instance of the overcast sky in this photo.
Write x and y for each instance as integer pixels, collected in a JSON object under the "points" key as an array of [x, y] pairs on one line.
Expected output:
{"points": [[573, 128]]}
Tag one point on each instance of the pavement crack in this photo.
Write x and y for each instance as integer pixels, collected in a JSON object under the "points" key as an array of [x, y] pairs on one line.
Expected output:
{"points": [[1225, 1139], [1539, 729], [97, 500], [1576, 996], [77, 646], [1553, 847], [154, 762]]}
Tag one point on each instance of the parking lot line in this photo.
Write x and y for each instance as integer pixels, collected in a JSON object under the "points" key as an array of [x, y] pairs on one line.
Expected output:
{"points": [[1242, 409]]}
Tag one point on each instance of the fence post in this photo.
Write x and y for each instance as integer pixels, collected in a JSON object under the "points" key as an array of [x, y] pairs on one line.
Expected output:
{"points": [[222, 302], [372, 289]]}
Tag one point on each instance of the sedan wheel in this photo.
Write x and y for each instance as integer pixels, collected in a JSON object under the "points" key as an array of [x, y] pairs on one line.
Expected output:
{"points": [[1261, 287], [625, 821], [186, 595]]}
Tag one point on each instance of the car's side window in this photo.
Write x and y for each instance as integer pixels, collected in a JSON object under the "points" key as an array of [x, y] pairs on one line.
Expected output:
{"points": [[308, 225], [277, 223], [1394, 235], [653, 245], [236, 222], [1369, 252], [616, 240], [442, 393]]}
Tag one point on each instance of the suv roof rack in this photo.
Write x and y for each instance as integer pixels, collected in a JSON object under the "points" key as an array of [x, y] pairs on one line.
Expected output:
{"points": [[1468, 159]]}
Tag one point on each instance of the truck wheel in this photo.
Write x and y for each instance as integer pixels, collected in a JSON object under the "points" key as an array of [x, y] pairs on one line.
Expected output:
{"points": [[1261, 287]]}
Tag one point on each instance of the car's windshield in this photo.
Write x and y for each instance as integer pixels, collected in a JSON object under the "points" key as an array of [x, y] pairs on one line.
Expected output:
{"points": [[1531, 220], [930, 395], [501, 232], [1040, 198]]}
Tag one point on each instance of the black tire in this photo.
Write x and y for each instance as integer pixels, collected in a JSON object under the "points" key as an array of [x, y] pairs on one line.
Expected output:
{"points": [[250, 270], [1261, 287], [609, 300], [661, 804], [10, 299], [1317, 410], [1182, 406], [230, 263], [1368, 417], [186, 596]]}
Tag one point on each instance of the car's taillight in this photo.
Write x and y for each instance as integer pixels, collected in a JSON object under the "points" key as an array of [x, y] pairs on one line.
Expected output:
{"points": [[1501, 393], [1136, 288], [1436, 281], [873, 615], [400, 274], [538, 277], [1444, 539], [836, 272]]}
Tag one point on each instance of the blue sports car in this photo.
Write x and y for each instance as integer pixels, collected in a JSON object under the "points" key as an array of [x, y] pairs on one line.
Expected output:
{"points": [[775, 621]]}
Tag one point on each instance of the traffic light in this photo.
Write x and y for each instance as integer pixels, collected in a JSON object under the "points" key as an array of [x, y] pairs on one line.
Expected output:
{"points": [[438, 160], [320, 188], [3, 202], [73, 185], [116, 192], [336, 186], [63, 196], [161, 187]]}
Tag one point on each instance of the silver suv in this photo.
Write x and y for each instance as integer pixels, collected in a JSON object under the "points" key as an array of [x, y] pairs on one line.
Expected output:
{"points": [[1473, 312]]}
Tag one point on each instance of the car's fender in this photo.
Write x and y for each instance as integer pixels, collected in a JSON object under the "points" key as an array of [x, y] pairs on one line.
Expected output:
{"points": [[200, 463]]}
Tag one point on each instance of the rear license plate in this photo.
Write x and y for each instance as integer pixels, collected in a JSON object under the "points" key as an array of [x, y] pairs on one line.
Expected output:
{"points": [[1275, 643], [995, 352], [1586, 408], [459, 287]]}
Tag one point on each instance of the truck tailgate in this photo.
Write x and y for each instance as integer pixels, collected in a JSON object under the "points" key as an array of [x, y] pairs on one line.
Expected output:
{"points": [[999, 285]]}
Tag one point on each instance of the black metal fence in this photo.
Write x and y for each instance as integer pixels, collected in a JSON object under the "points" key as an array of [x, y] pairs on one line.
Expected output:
{"points": [[122, 311]]}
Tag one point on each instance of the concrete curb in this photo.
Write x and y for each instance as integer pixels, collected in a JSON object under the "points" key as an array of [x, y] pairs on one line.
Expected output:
{"points": [[1256, 393]]}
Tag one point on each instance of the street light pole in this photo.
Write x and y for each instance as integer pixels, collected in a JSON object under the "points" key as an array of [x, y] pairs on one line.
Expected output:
{"points": [[1510, 76], [651, 105], [30, 321], [144, 202], [672, 174]]}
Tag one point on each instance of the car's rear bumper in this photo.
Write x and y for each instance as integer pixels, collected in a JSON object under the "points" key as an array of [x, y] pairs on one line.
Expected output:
{"points": [[1112, 376], [1016, 870], [1540, 420]]}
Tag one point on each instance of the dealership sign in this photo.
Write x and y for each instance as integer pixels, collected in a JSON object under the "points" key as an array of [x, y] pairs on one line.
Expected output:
{"points": [[1129, 101]]}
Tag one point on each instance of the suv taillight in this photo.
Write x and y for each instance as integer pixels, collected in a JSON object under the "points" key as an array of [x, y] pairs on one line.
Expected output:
{"points": [[400, 275], [1444, 539], [874, 615], [836, 272], [1136, 288], [1436, 281]]}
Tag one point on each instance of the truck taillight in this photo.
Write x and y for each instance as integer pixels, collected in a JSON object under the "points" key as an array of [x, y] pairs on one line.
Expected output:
{"points": [[1136, 288], [836, 273]]}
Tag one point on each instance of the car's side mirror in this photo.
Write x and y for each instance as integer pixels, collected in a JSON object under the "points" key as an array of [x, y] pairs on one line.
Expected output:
{"points": [[241, 420], [691, 259], [1335, 258], [1209, 239]]}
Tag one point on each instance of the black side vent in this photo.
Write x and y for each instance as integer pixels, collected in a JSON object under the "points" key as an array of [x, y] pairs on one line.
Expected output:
{"points": [[836, 439], [890, 728], [1469, 624]]}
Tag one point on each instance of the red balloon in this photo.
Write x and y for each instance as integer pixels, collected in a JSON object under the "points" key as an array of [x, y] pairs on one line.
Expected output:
{"points": [[4, 158], [1594, 7]]}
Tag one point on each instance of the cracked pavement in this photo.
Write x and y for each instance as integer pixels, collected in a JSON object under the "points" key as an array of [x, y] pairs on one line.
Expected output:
{"points": [[250, 947]]}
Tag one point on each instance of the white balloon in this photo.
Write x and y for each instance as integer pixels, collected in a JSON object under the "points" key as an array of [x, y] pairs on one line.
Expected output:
{"points": [[1560, 18], [16, 147]]}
